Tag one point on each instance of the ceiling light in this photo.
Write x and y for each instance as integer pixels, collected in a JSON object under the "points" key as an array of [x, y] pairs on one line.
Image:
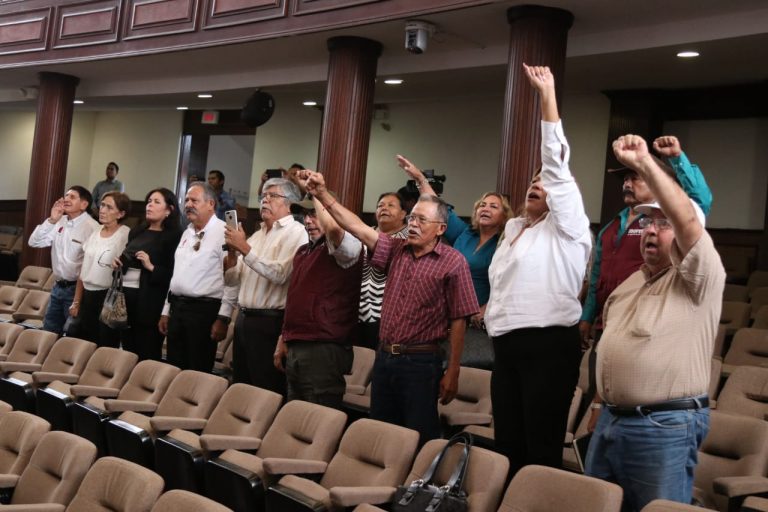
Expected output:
{"points": [[310, 103], [688, 54], [393, 81], [78, 102], [182, 108], [205, 95]]}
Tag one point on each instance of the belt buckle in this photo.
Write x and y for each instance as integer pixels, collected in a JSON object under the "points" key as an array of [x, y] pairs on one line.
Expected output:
{"points": [[396, 349]]}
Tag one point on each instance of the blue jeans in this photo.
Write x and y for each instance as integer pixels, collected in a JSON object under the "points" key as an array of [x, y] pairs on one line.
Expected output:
{"points": [[404, 391], [650, 457], [58, 308]]}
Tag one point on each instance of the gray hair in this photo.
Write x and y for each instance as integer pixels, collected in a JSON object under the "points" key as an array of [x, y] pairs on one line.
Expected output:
{"points": [[208, 193], [287, 188], [442, 206]]}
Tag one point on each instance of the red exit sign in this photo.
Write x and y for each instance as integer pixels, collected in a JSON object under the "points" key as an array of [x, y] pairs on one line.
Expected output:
{"points": [[210, 117]]}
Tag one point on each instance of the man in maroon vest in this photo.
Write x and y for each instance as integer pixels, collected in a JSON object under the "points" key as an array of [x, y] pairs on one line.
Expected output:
{"points": [[315, 347]]}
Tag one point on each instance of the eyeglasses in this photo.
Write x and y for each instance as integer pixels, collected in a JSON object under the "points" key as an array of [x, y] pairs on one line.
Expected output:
{"points": [[419, 220], [268, 196], [105, 262], [659, 223], [199, 237]]}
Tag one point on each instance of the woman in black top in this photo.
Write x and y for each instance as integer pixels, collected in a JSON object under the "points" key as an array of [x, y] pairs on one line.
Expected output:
{"points": [[147, 264]]}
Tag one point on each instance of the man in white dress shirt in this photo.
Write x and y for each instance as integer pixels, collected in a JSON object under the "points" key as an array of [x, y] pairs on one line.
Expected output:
{"points": [[262, 272], [65, 232], [199, 305]]}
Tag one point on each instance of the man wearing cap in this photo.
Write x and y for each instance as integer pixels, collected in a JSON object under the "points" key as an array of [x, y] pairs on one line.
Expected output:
{"points": [[262, 272], [429, 289], [315, 347], [653, 365]]}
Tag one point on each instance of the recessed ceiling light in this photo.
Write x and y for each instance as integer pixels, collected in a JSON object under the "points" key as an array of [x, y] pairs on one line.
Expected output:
{"points": [[310, 103], [393, 81], [182, 108], [205, 95], [688, 54], [78, 102]]}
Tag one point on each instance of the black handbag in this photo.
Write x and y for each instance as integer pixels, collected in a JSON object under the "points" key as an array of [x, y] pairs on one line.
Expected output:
{"points": [[423, 495]]}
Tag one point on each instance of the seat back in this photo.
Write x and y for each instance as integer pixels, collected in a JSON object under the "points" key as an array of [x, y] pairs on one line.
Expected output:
{"points": [[735, 446], [178, 500], [761, 318], [303, 430], [473, 396], [719, 345], [33, 277], [734, 315], [745, 392], [192, 394], [20, 432], [116, 485], [542, 489], [33, 306], [372, 453], [58, 465], [715, 371], [670, 506], [49, 283], [32, 346], [9, 333], [736, 293], [244, 411], [68, 355], [757, 279], [758, 298], [149, 381], [108, 367], [11, 298], [362, 367], [7, 240], [484, 480], [748, 348]]}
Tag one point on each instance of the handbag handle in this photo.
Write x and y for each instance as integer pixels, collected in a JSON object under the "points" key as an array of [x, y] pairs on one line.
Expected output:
{"points": [[117, 280], [458, 474]]}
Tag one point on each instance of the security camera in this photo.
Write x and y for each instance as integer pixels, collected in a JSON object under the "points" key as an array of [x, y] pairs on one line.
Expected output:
{"points": [[417, 33]]}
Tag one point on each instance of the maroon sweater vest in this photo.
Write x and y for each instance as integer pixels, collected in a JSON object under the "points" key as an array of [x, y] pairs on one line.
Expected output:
{"points": [[323, 298]]}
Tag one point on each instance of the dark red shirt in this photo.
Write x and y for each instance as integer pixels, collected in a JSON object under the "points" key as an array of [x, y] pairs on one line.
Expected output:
{"points": [[423, 294]]}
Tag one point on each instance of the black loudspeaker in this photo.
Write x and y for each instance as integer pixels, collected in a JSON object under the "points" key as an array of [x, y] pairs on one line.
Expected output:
{"points": [[258, 110]]}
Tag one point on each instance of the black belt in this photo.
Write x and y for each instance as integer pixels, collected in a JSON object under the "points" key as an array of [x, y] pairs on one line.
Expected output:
{"points": [[398, 349], [191, 300], [65, 284], [262, 312], [680, 404]]}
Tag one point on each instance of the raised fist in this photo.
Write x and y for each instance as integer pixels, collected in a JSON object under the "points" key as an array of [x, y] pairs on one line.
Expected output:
{"points": [[540, 77], [631, 150], [667, 146]]}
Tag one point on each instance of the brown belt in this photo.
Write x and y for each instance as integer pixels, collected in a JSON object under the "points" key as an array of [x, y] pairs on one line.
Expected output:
{"points": [[397, 349]]}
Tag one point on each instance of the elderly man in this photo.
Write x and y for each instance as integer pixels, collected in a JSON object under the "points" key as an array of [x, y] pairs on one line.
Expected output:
{"points": [[654, 361], [224, 200], [199, 305], [429, 289], [111, 184], [321, 310], [65, 232], [262, 273]]}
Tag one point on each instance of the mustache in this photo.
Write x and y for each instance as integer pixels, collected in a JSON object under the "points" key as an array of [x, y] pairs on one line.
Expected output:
{"points": [[190, 209], [628, 192]]}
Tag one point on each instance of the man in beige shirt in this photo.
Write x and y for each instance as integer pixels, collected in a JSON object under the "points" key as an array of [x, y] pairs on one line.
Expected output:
{"points": [[654, 358], [263, 272]]}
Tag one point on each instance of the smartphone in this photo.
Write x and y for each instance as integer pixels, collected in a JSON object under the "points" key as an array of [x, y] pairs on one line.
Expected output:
{"points": [[230, 217], [274, 173]]}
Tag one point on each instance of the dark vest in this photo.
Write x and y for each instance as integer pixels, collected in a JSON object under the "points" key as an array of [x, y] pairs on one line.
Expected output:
{"points": [[323, 298], [619, 259]]}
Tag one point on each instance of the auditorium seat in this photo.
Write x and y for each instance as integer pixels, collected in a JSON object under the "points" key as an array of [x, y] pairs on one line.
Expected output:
{"points": [[734, 316], [33, 277], [755, 504], [238, 422], [761, 318], [671, 506], [749, 348], [715, 376], [718, 348], [5, 407], [49, 283], [758, 299], [183, 501], [757, 279], [20, 433], [358, 405], [472, 404], [301, 430], [107, 368], [736, 293], [745, 392], [32, 309], [362, 367], [224, 367], [373, 459], [188, 403], [7, 241], [11, 298], [8, 335]]}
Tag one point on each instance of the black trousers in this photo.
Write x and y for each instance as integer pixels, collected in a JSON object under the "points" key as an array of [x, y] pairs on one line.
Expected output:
{"points": [[143, 338], [252, 353], [532, 385], [190, 346], [91, 328], [368, 334]]}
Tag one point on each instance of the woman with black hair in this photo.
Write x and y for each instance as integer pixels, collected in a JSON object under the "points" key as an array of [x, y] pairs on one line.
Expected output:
{"points": [[147, 265]]}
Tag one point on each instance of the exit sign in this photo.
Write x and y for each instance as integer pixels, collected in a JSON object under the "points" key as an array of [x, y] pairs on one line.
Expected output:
{"points": [[210, 117]]}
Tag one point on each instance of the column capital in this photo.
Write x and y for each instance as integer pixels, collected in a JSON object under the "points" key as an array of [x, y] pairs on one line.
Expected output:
{"points": [[520, 12], [361, 43], [61, 78]]}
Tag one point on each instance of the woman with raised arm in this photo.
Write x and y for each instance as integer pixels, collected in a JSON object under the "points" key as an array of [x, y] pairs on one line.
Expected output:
{"points": [[533, 311]]}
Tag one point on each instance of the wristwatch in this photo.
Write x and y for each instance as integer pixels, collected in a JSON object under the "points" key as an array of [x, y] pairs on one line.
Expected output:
{"points": [[224, 319]]}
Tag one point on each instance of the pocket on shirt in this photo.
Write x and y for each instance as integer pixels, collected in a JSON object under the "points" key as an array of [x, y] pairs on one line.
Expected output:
{"points": [[646, 315]]}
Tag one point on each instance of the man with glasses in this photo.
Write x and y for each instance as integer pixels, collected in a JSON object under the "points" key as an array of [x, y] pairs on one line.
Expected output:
{"points": [[429, 289], [315, 347], [261, 273], [653, 367], [199, 305]]}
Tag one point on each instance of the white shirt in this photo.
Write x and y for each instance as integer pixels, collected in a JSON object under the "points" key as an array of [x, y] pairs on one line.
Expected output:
{"points": [[99, 252], [65, 238], [348, 251], [535, 282], [200, 273], [263, 274]]}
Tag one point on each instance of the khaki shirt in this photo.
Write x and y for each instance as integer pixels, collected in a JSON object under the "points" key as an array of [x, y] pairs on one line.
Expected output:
{"points": [[659, 331]]}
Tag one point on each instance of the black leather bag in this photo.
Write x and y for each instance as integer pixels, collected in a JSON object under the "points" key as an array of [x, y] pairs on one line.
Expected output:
{"points": [[424, 495]]}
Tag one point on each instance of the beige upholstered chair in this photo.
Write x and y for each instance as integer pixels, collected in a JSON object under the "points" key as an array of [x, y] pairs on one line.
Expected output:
{"points": [[5, 407], [178, 501], [373, 459], [719, 346], [542, 489], [359, 403], [734, 316], [736, 293], [757, 299], [715, 375], [8, 335], [116, 485], [238, 422], [20, 434], [671, 506], [301, 430], [472, 405], [107, 368], [761, 318], [749, 348], [32, 309], [362, 367], [49, 283], [755, 504], [7, 240], [31, 346], [745, 392], [757, 279], [188, 403], [146, 386], [11, 298], [33, 277], [27, 355]]}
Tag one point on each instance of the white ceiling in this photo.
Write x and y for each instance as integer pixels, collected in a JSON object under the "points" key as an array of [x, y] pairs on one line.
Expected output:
{"points": [[613, 44]]}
